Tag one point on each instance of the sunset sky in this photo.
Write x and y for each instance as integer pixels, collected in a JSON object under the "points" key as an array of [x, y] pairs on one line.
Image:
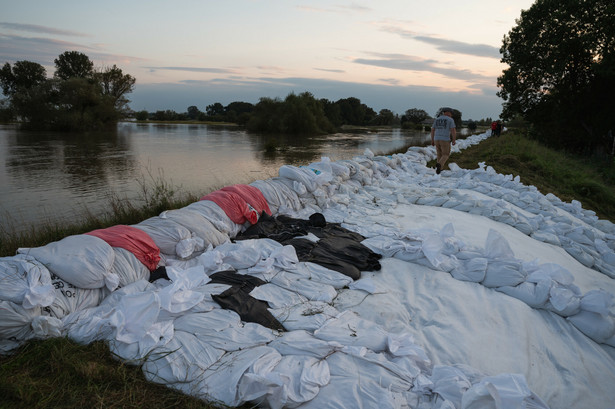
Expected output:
{"points": [[391, 54]]}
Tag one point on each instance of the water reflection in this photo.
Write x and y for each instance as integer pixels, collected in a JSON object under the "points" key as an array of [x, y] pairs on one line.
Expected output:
{"points": [[54, 176]]}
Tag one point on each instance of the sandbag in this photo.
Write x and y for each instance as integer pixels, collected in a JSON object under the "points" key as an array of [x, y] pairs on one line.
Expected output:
{"points": [[197, 224], [137, 241], [252, 195], [82, 260], [25, 281], [172, 238], [235, 207]]}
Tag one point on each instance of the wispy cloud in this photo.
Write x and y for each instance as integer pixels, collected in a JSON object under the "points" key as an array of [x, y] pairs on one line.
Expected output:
{"points": [[446, 45], [33, 28], [338, 9], [413, 63], [194, 69], [330, 70]]}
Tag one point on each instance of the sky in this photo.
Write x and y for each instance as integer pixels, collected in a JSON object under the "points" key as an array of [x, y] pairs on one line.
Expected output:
{"points": [[391, 54]]}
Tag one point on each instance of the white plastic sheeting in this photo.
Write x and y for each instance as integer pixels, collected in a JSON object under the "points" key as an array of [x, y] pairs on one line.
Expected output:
{"points": [[491, 295]]}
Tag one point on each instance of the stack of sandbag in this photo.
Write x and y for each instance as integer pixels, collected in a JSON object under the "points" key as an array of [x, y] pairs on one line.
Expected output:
{"points": [[26, 290]]}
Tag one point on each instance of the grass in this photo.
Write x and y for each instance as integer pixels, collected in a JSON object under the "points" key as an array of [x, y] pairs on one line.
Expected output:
{"points": [[57, 373]]}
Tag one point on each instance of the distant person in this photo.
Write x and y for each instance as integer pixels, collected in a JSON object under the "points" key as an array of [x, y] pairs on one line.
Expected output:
{"points": [[494, 125], [443, 133], [498, 128]]}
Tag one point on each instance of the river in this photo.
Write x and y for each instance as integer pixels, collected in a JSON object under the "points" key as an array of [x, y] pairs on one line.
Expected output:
{"points": [[51, 177]]}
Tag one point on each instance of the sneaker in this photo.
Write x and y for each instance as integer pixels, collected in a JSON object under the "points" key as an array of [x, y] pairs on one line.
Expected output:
{"points": [[438, 168]]}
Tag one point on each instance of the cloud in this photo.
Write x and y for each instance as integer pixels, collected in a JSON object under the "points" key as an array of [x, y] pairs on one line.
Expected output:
{"points": [[37, 49], [194, 69], [330, 70], [446, 45], [33, 28], [413, 63], [338, 9]]}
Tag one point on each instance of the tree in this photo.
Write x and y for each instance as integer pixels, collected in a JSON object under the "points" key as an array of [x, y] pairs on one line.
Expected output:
{"points": [[415, 115], [557, 67], [216, 109], [73, 64], [115, 85], [77, 98], [22, 76], [193, 112]]}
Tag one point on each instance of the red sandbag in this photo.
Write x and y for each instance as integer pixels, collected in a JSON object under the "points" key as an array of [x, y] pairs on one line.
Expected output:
{"points": [[252, 195], [132, 239], [235, 207]]}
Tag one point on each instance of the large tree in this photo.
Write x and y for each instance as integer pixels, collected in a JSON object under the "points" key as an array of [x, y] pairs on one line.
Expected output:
{"points": [[76, 98], [560, 57], [73, 64]]}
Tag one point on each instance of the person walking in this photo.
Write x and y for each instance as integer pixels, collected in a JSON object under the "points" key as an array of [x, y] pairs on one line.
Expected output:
{"points": [[443, 134]]}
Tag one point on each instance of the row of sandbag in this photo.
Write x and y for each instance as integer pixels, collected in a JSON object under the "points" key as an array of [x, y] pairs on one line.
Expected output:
{"points": [[580, 232], [42, 285], [550, 287]]}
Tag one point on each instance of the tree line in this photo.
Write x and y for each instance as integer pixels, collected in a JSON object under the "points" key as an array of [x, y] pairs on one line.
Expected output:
{"points": [[78, 97], [302, 114], [561, 74]]}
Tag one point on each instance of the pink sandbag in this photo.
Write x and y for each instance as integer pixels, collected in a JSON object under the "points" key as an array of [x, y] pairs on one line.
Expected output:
{"points": [[252, 195], [235, 207], [132, 239]]}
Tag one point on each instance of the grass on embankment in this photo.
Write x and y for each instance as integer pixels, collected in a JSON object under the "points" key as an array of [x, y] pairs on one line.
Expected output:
{"points": [[591, 181], [57, 373]]}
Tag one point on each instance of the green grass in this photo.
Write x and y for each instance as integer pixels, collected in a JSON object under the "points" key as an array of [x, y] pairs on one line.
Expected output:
{"points": [[58, 373]]}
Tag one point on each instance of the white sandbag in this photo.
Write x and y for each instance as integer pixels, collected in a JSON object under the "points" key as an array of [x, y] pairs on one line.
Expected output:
{"points": [[535, 295], [69, 298], [15, 321], [501, 273], [171, 237], [472, 270], [289, 383], [219, 383], [128, 267], [311, 290], [224, 329], [181, 362], [308, 316], [598, 301], [596, 326], [307, 177], [82, 260], [216, 215], [564, 300], [497, 247], [450, 383], [504, 391], [300, 342], [196, 223], [351, 330], [25, 281]]}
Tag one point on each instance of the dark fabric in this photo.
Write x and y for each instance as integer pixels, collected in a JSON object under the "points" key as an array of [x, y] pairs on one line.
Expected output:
{"points": [[238, 299], [160, 272], [339, 249]]}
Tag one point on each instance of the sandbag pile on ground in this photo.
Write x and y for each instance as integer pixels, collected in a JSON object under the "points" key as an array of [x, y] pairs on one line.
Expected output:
{"points": [[432, 316]]}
